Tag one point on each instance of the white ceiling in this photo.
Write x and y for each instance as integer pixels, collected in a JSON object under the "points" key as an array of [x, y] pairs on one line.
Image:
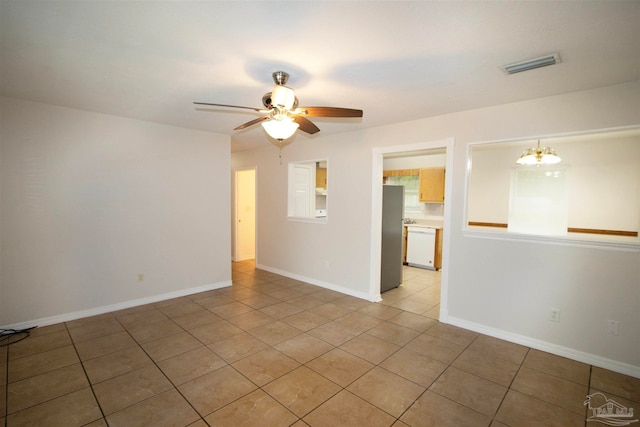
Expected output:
{"points": [[395, 60]]}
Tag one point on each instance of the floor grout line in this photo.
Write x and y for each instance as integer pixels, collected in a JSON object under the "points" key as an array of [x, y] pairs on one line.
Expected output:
{"points": [[86, 375]]}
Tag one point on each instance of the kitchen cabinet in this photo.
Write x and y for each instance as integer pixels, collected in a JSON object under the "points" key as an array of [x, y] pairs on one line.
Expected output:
{"points": [[432, 185], [404, 244], [437, 260], [321, 178]]}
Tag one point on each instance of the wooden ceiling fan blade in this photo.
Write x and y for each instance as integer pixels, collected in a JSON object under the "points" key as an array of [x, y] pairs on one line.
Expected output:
{"points": [[306, 125], [329, 112], [252, 122], [232, 106]]}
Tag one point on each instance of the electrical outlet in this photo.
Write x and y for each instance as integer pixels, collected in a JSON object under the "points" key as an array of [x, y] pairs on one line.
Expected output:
{"points": [[613, 327], [554, 314], [140, 277]]}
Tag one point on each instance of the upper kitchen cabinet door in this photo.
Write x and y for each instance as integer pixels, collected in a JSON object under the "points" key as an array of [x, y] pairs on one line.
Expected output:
{"points": [[432, 185], [321, 178]]}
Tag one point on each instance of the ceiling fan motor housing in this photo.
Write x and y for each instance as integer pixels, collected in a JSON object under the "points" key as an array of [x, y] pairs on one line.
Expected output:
{"points": [[280, 78]]}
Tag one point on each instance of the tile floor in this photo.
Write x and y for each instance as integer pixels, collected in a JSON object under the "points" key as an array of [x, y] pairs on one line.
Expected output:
{"points": [[271, 351]]}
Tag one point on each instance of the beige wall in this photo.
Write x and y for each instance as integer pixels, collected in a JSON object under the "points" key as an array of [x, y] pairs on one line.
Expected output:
{"points": [[89, 201], [493, 285]]}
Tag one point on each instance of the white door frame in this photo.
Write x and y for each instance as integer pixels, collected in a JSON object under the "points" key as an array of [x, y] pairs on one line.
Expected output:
{"points": [[376, 215], [236, 216]]}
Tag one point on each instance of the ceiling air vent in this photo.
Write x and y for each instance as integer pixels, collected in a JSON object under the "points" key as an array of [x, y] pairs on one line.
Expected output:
{"points": [[531, 64]]}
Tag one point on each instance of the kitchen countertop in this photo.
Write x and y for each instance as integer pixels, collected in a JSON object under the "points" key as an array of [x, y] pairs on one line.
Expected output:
{"points": [[426, 224]]}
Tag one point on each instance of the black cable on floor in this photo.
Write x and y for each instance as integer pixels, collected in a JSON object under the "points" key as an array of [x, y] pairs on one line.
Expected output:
{"points": [[6, 334]]}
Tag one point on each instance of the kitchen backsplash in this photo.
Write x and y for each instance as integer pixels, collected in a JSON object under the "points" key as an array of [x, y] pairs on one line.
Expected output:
{"points": [[433, 210], [429, 212]]}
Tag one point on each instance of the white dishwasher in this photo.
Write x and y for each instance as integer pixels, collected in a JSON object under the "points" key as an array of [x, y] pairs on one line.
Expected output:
{"points": [[421, 247]]}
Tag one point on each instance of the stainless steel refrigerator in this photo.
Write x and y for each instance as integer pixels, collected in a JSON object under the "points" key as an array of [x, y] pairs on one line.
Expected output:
{"points": [[392, 238]]}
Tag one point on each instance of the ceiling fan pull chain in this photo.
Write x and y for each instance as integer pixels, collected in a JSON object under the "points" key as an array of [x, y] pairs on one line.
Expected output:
{"points": [[281, 144]]}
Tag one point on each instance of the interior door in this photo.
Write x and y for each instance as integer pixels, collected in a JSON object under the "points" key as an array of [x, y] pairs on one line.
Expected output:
{"points": [[245, 214]]}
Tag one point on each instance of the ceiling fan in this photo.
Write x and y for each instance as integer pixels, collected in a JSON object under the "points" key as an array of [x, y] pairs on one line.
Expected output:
{"points": [[283, 116]]}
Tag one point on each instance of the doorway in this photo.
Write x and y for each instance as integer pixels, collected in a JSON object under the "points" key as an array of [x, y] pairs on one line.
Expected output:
{"points": [[245, 215], [376, 229]]}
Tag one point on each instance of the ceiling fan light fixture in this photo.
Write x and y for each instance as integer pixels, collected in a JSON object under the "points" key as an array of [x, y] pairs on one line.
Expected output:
{"points": [[539, 156], [532, 64], [280, 127]]}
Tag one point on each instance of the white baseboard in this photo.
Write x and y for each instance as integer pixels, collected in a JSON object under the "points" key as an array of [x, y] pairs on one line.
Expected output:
{"points": [[67, 317], [312, 281], [580, 356]]}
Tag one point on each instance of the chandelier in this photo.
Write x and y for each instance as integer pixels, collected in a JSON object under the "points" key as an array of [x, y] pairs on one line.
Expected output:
{"points": [[539, 156]]}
